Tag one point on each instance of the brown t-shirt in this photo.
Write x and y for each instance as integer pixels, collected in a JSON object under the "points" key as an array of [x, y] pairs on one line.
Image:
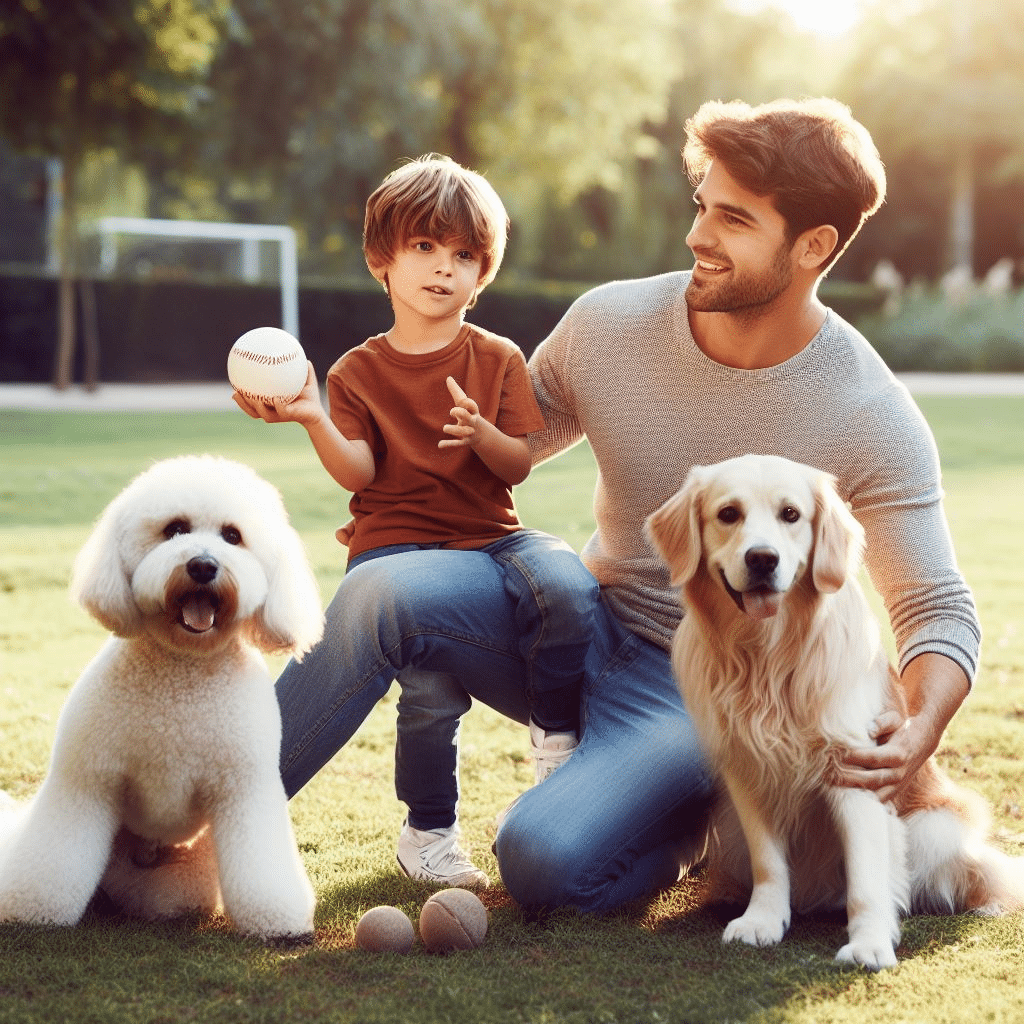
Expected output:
{"points": [[398, 404]]}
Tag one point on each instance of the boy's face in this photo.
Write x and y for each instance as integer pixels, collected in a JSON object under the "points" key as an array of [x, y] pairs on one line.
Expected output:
{"points": [[431, 278]]}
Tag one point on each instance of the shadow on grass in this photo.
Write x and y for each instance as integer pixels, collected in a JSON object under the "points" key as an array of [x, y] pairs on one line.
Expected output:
{"points": [[653, 961]]}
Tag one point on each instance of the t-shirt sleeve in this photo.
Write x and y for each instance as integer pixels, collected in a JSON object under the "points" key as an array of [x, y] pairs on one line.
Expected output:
{"points": [[519, 413], [348, 411]]}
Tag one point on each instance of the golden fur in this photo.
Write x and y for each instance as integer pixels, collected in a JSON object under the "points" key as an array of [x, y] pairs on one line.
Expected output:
{"points": [[781, 665]]}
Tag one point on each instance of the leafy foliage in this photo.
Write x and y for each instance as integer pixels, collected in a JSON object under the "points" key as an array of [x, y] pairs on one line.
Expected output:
{"points": [[76, 77], [287, 112], [931, 331]]}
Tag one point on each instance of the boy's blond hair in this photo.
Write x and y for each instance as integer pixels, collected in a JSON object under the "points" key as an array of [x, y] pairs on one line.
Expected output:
{"points": [[434, 197]]}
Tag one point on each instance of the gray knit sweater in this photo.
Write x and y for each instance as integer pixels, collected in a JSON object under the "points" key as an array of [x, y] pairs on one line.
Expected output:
{"points": [[622, 369]]}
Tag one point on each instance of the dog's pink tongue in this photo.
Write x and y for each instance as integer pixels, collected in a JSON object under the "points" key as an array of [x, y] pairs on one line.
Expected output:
{"points": [[198, 612], [761, 604]]}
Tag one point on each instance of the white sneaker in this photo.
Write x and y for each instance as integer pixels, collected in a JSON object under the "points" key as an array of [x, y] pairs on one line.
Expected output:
{"points": [[436, 856], [550, 750]]}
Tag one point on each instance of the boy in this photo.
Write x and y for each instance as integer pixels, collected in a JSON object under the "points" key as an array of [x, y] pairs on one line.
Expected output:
{"points": [[434, 236]]}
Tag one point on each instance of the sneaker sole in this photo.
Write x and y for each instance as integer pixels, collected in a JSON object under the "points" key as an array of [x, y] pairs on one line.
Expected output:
{"points": [[477, 880]]}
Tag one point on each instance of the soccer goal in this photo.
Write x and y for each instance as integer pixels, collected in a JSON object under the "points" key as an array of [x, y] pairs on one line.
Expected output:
{"points": [[247, 238]]}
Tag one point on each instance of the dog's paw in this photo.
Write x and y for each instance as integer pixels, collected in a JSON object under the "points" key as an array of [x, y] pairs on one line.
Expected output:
{"points": [[756, 929], [877, 955]]}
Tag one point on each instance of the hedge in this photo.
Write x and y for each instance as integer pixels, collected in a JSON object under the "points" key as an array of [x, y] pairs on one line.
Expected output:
{"points": [[159, 331]]}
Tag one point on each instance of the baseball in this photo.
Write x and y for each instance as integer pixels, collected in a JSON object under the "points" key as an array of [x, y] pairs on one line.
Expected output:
{"points": [[385, 930], [267, 363], [453, 919]]}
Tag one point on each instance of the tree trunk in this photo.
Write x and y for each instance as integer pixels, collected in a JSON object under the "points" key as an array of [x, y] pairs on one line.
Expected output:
{"points": [[67, 250], [961, 211]]}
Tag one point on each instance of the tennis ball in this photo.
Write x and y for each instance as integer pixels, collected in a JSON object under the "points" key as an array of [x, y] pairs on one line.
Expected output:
{"points": [[385, 930], [453, 919]]}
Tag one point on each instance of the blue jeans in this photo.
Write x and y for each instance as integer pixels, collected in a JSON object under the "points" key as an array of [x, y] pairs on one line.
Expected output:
{"points": [[610, 824], [554, 597]]}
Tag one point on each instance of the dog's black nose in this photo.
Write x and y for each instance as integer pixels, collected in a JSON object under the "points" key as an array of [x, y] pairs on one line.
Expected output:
{"points": [[202, 569], [762, 560]]}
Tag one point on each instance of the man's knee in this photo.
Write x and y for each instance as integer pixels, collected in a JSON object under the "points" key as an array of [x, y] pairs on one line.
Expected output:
{"points": [[537, 867]]}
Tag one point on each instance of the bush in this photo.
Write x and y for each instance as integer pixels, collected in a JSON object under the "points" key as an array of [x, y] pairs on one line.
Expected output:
{"points": [[974, 332], [154, 331]]}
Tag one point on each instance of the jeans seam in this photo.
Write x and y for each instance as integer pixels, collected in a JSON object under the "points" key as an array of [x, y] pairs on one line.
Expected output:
{"points": [[321, 724]]}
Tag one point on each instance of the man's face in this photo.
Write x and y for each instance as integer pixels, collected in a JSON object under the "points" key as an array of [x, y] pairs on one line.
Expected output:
{"points": [[742, 258]]}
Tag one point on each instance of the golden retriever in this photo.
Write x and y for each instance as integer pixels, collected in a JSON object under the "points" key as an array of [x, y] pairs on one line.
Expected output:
{"points": [[780, 662]]}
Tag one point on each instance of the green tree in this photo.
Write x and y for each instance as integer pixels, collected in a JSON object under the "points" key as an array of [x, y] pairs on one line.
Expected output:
{"points": [[636, 222], [77, 76], [942, 82], [319, 100]]}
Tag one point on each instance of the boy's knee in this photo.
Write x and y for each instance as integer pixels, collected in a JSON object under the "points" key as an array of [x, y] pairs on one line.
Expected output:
{"points": [[428, 697], [390, 603]]}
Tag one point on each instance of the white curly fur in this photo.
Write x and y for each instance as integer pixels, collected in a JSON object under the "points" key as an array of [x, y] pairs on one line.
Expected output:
{"points": [[163, 786], [780, 662]]}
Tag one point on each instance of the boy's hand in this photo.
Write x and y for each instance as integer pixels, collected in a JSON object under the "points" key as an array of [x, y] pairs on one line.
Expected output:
{"points": [[304, 408], [506, 457], [466, 413]]}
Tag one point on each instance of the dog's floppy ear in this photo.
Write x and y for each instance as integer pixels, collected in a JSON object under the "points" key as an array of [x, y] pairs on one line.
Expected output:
{"points": [[99, 582], [838, 539], [291, 619], [674, 529]]}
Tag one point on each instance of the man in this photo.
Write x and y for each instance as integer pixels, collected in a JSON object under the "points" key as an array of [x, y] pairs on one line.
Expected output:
{"points": [[661, 374]]}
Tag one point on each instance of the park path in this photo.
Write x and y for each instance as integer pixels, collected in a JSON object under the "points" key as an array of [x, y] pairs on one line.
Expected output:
{"points": [[212, 397]]}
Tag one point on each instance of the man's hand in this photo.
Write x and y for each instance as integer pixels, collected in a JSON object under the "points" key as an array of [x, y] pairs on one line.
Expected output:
{"points": [[885, 767], [465, 431], [935, 687]]}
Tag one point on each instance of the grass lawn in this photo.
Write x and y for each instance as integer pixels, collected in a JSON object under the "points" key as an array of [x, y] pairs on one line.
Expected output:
{"points": [[656, 961]]}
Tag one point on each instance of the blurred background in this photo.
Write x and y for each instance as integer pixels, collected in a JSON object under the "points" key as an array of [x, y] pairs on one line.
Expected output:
{"points": [[285, 113]]}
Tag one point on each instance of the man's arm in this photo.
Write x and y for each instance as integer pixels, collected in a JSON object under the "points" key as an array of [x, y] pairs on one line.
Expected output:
{"points": [[548, 374]]}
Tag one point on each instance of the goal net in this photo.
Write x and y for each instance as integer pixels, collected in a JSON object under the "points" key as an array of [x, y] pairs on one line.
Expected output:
{"points": [[142, 245]]}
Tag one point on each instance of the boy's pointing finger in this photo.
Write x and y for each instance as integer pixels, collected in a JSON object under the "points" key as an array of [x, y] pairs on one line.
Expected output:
{"points": [[455, 391]]}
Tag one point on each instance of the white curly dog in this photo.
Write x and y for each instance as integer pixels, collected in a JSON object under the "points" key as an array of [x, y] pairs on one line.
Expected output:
{"points": [[163, 787]]}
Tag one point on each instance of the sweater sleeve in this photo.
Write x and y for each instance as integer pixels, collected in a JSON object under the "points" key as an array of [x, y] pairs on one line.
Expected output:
{"points": [[910, 556], [550, 372]]}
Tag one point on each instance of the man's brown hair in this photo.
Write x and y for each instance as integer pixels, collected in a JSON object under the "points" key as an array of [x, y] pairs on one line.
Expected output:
{"points": [[816, 163]]}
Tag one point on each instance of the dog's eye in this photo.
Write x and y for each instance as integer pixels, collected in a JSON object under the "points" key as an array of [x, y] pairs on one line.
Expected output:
{"points": [[790, 514], [728, 514], [231, 535], [176, 527]]}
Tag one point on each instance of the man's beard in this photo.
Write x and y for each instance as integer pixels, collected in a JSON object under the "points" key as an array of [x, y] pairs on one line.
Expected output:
{"points": [[742, 293]]}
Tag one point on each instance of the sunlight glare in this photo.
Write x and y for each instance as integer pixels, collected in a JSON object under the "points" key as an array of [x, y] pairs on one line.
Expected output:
{"points": [[823, 17]]}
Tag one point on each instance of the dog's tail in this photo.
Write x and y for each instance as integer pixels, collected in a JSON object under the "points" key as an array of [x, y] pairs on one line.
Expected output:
{"points": [[955, 868], [1002, 882]]}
